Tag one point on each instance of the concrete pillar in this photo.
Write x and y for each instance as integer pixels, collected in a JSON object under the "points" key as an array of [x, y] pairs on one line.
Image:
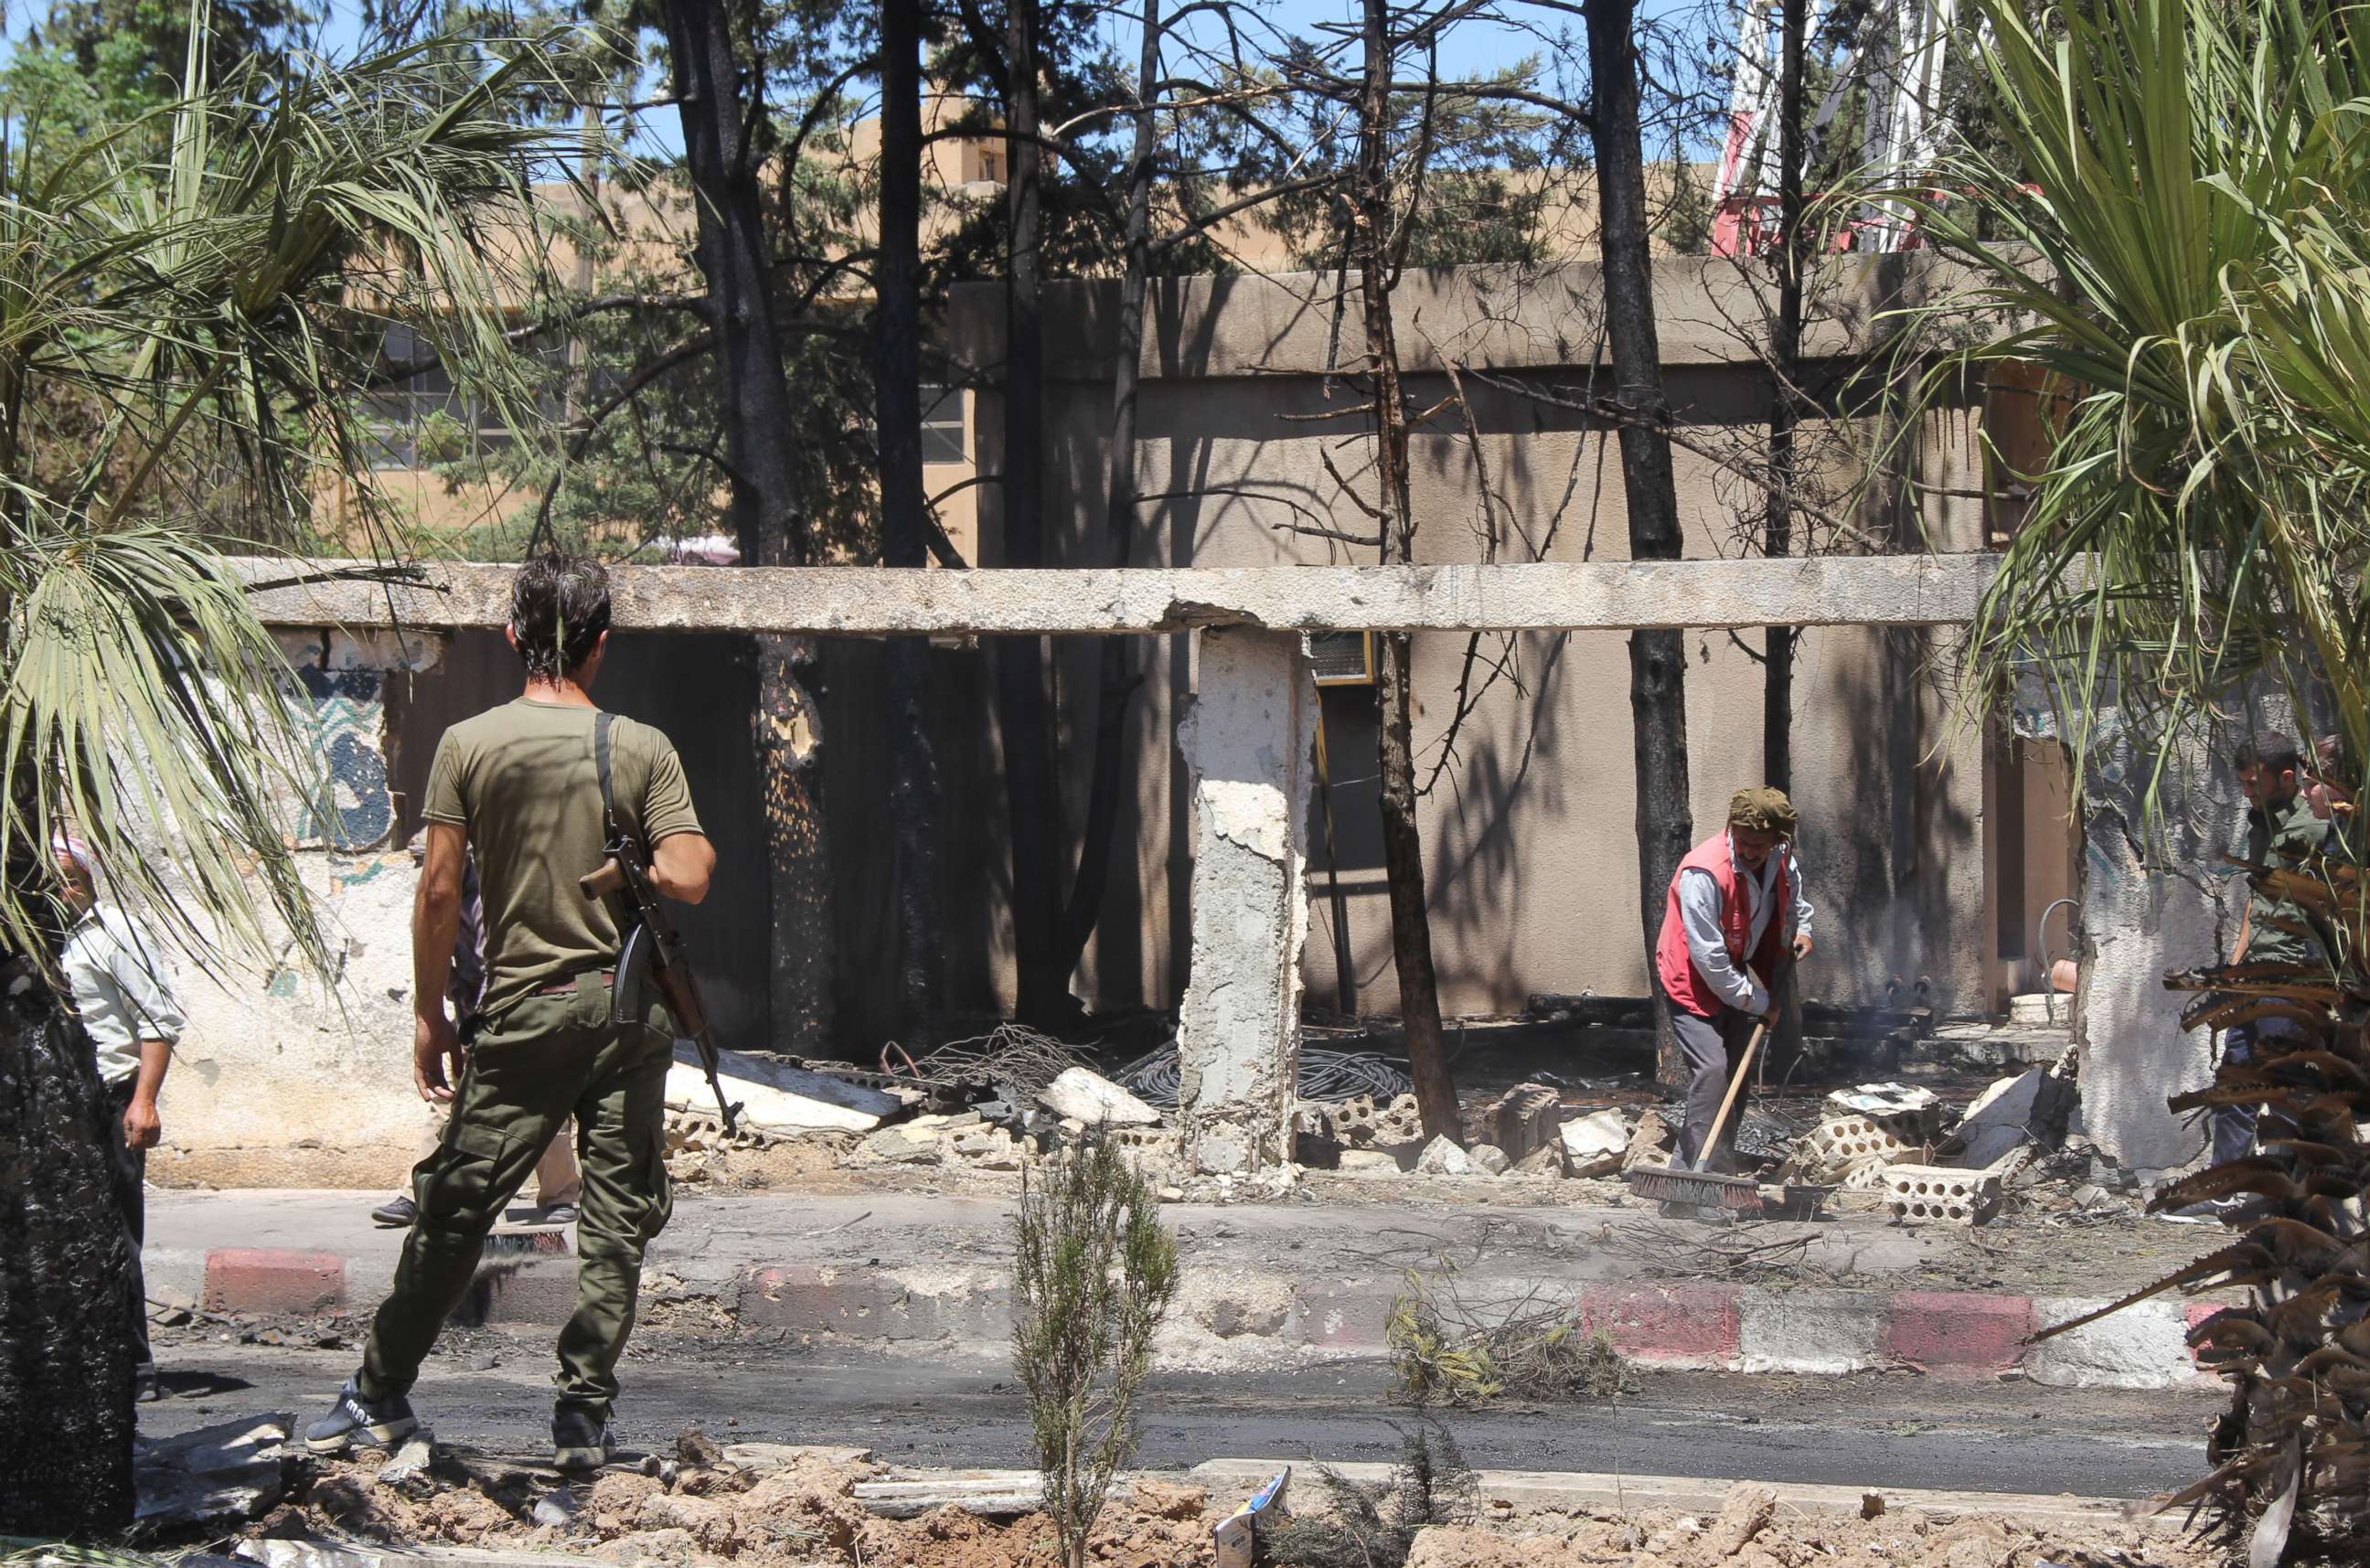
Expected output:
{"points": [[1247, 737]]}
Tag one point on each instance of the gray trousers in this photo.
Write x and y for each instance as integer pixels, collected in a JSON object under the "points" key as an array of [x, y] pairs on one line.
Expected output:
{"points": [[1712, 1046], [129, 1178]]}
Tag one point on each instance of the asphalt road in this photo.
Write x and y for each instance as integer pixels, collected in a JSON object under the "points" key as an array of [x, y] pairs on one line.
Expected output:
{"points": [[1874, 1430]]}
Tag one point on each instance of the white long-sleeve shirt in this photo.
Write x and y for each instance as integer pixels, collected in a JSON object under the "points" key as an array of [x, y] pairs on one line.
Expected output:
{"points": [[121, 992], [1699, 915]]}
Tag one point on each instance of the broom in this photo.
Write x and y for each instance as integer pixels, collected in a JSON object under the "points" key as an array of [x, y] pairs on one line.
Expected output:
{"points": [[1678, 1184]]}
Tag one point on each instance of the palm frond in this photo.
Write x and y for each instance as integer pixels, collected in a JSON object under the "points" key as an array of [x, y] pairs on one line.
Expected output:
{"points": [[207, 286]]}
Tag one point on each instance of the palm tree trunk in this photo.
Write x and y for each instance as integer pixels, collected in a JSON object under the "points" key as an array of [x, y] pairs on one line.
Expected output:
{"points": [[1044, 996], [1402, 840], [65, 1329], [905, 505], [767, 513], [1658, 660]]}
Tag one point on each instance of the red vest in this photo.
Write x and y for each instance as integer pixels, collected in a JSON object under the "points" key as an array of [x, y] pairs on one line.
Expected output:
{"points": [[1673, 964]]}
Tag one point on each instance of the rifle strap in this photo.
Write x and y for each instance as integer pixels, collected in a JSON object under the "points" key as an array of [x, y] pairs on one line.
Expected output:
{"points": [[600, 765]]}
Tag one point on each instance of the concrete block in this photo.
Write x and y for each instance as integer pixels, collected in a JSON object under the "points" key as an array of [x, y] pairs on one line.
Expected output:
{"points": [[2146, 1345], [265, 1279], [1960, 1331], [1824, 1331], [1936, 1194], [1524, 1118]]}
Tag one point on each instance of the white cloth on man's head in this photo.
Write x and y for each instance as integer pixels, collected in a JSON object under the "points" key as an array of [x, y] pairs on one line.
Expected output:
{"points": [[120, 991]]}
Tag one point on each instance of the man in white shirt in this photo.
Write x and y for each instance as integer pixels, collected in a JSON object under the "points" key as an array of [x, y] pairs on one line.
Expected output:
{"points": [[129, 1010], [1736, 912]]}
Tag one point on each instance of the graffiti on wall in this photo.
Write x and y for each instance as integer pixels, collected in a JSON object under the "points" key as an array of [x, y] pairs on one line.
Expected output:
{"points": [[349, 807]]}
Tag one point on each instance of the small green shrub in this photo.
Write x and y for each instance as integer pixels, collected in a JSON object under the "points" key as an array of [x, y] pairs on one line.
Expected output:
{"points": [[1093, 1273]]}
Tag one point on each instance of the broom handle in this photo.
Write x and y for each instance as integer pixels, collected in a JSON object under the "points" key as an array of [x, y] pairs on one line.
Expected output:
{"points": [[1735, 1085]]}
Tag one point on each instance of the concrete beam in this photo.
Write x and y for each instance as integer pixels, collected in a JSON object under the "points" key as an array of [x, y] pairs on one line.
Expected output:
{"points": [[1908, 590]]}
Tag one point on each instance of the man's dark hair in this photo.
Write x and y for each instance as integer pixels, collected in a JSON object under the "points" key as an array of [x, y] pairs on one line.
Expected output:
{"points": [[559, 607], [2277, 754]]}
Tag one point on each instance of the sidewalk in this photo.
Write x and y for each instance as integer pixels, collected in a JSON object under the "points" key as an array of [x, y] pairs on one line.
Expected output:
{"points": [[1283, 1284]]}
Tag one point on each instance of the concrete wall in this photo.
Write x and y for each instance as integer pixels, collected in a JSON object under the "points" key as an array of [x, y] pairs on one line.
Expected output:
{"points": [[1531, 852], [283, 1079]]}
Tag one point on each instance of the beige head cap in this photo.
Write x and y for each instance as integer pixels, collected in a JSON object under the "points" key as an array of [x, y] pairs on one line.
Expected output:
{"points": [[1762, 810]]}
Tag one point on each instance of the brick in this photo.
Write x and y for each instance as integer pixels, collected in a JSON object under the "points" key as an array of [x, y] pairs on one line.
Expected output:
{"points": [[265, 1279], [1957, 1330], [1686, 1324]]}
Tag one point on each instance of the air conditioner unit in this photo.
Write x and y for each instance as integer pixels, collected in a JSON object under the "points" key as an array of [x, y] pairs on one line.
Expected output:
{"points": [[1342, 658]]}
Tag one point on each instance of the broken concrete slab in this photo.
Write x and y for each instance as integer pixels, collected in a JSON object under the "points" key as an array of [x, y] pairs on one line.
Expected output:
{"points": [[1547, 1160], [2030, 1108], [1489, 1158], [1370, 1162], [1520, 1120], [1087, 1097], [776, 1097], [1443, 1158], [232, 1469], [1593, 1144]]}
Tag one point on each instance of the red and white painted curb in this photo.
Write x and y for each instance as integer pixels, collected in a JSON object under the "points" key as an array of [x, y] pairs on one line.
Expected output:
{"points": [[1820, 1332]]}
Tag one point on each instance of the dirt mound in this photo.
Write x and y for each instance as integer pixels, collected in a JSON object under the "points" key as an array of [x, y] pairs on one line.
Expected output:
{"points": [[798, 1508]]}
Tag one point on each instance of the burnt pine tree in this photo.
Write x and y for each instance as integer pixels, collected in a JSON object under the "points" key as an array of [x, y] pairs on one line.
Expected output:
{"points": [[904, 508], [1785, 262], [1373, 256], [1023, 714], [722, 100], [1658, 660]]}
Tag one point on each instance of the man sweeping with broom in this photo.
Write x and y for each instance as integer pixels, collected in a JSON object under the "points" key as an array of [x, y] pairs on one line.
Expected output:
{"points": [[1735, 909]]}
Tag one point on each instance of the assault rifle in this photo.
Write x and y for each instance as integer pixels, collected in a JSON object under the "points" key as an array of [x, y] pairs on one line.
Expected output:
{"points": [[651, 950]]}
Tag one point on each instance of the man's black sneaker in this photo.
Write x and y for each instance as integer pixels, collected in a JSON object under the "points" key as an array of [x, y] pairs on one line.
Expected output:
{"points": [[396, 1212], [383, 1422], [144, 1387], [579, 1441]]}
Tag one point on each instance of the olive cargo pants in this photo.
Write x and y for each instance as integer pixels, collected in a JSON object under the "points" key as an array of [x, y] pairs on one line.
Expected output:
{"points": [[541, 1060]]}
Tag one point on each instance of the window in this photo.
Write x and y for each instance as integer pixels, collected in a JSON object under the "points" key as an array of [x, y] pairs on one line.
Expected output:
{"points": [[425, 419], [942, 425], [1342, 658]]}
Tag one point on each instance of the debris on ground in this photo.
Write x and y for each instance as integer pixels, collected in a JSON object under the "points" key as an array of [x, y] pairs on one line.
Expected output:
{"points": [[1080, 1095], [217, 1474], [995, 1102], [774, 1506], [1594, 1145]]}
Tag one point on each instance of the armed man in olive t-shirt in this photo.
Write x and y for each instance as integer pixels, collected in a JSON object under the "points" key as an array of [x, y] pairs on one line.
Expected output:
{"points": [[2282, 833], [519, 787]]}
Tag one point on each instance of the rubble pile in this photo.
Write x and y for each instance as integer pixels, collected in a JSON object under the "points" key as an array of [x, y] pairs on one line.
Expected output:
{"points": [[994, 1103], [772, 1505]]}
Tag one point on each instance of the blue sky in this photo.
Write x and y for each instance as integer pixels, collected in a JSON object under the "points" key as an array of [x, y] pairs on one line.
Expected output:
{"points": [[1471, 48]]}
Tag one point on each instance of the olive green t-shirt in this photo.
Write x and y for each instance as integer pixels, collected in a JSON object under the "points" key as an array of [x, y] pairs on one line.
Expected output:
{"points": [[521, 779], [2282, 836]]}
